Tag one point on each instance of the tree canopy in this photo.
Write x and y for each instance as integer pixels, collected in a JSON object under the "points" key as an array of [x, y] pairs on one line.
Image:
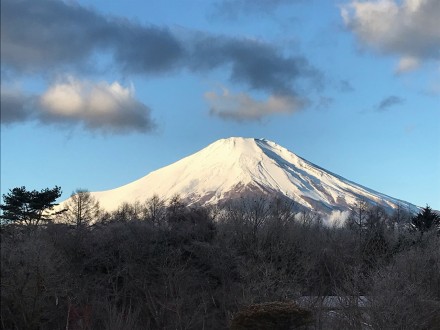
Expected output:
{"points": [[21, 206]]}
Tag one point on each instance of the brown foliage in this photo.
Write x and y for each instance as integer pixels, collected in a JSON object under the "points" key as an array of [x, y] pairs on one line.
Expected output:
{"points": [[271, 316]]}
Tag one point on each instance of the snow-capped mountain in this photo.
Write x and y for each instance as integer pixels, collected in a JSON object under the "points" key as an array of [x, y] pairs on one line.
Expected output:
{"points": [[229, 168]]}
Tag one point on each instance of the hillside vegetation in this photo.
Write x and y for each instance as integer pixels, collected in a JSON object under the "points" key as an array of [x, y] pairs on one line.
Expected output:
{"points": [[164, 265]]}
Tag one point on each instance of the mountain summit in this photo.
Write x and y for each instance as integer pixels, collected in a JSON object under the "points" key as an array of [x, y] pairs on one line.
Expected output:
{"points": [[229, 168]]}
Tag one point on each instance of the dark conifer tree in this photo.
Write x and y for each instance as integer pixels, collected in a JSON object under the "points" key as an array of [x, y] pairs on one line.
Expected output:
{"points": [[21, 206], [426, 220]]}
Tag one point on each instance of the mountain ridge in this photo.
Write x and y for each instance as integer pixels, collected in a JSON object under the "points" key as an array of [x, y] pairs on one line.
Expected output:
{"points": [[230, 167]]}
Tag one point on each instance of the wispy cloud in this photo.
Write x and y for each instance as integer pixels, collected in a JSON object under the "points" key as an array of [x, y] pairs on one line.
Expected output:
{"points": [[242, 107], [324, 102], [406, 28], [101, 107], [407, 64], [389, 102], [345, 86]]}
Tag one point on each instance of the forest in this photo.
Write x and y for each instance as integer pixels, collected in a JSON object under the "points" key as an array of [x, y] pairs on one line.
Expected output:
{"points": [[253, 263]]}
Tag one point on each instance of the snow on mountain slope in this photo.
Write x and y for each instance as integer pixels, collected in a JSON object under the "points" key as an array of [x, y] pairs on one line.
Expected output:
{"points": [[229, 167]]}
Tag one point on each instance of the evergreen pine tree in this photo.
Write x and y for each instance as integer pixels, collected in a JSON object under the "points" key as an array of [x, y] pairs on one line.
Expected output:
{"points": [[425, 220], [21, 206]]}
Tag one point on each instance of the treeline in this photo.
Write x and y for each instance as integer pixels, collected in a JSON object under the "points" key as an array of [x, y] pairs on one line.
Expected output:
{"points": [[165, 265]]}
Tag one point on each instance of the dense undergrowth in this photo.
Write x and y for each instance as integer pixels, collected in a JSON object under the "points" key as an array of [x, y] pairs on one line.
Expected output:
{"points": [[195, 268]]}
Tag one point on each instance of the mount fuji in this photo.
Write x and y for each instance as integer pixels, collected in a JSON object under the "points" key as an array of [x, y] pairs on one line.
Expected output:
{"points": [[233, 167]]}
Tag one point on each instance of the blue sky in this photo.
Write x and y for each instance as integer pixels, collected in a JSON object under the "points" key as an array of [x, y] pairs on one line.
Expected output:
{"points": [[96, 94]]}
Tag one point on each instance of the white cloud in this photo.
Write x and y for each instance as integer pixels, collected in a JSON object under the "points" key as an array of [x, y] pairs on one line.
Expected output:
{"points": [[65, 99], [242, 107], [407, 63], [408, 28], [102, 106]]}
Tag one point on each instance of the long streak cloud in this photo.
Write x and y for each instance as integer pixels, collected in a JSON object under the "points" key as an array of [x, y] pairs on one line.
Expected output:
{"points": [[50, 38]]}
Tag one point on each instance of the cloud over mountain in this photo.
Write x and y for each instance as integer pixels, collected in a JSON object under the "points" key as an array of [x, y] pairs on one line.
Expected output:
{"points": [[75, 33], [407, 28], [242, 107], [253, 63], [52, 37]]}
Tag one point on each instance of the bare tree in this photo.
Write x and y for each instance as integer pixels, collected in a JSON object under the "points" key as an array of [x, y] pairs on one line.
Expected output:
{"points": [[155, 210], [358, 217], [82, 209], [406, 293]]}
